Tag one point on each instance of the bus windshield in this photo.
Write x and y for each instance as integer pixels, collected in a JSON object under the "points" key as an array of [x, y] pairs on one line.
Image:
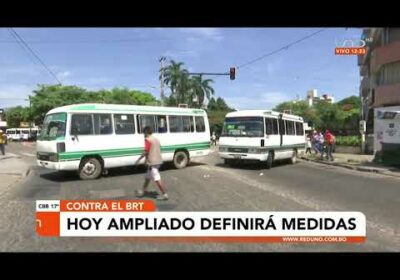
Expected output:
{"points": [[243, 127], [54, 126]]}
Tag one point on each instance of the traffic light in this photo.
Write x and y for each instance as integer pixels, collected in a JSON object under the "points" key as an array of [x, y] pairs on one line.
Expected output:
{"points": [[232, 73]]}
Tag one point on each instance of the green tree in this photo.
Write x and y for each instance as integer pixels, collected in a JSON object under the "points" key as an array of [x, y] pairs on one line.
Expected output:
{"points": [[202, 89], [16, 115], [176, 78], [221, 105], [216, 112], [341, 118], [46, 98], [212, 104], [184, 88]]}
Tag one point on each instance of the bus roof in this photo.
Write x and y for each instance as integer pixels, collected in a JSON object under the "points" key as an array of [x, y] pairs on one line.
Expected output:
{"points": [[109, 108], [262, 113]]}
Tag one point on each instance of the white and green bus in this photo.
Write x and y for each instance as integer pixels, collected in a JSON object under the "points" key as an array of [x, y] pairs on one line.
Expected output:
{"points": [[91, 138], [261, 135]]}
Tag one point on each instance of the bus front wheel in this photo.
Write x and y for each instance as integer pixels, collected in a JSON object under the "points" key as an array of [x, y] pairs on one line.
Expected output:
{"points": [[90, 169], [181, 159]]}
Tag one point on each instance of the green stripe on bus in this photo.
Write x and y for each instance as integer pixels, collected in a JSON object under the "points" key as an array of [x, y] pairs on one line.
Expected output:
{"points": [[94, 108], [129, 151]]}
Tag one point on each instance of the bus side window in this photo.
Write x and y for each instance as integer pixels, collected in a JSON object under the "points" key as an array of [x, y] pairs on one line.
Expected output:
{"points": [[200, 125], [269, 126], [162, 124], [175, 124], [102, 124], [186, 123], [275, 130], [124, 124], [191, 124], [81, 124], [282, 130], [147, 120], [289, 127], [299, 128]]}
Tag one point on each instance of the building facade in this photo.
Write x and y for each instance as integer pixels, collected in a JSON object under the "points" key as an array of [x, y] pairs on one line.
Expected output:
{"points": [[379, 71], [312, 97]]}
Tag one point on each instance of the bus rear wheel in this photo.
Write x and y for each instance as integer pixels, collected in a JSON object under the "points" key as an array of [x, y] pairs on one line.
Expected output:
{"points": [[90, 168], [181, 159]]}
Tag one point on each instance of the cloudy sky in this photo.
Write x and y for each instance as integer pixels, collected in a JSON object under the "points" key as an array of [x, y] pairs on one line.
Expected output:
{"points": [[97, 58]]}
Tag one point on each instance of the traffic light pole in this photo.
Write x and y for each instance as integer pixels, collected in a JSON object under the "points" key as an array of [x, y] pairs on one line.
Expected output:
{"points": [[210, 74], [231, 73]]}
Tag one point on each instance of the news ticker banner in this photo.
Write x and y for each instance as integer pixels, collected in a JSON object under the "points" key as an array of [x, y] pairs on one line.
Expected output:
{"points": [[139, 218]]}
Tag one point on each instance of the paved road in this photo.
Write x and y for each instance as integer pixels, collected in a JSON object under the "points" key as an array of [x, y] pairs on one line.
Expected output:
{"points": [[209, 185]]}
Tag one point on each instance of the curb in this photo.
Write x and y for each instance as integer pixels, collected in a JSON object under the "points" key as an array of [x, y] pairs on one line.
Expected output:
{"points": [[23, 174], [357, 168]]}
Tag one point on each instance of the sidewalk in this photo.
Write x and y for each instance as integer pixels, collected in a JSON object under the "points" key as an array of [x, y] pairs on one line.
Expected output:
{"points": [[12, 170], [13, 165], [355, 162]]}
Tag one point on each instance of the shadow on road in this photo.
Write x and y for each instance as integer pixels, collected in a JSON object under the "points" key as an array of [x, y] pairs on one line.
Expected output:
{"points": [[253, 166], [70, 176]]}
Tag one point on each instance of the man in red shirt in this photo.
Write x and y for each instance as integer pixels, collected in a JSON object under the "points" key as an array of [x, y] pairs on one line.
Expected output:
{"points": [[330, 142], [152, 152]]}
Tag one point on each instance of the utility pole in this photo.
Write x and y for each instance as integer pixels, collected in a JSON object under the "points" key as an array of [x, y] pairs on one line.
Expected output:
{"points": [[161, 60]]}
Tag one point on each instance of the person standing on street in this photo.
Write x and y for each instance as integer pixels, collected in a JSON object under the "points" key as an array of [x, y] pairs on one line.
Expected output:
{"points": [[214, 138], [3, 141], [309, 138], [330, 142], [152, 153]]}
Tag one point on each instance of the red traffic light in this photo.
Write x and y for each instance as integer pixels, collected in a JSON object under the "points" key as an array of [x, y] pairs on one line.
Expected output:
{"points": [[232, 73]]}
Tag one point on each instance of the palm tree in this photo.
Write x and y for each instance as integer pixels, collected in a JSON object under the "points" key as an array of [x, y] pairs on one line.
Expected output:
{"points": [[174, 77], [183, 88], [202, 89]]}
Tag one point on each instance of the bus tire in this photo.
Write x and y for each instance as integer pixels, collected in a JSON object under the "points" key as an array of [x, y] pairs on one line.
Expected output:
{"points": [[181, 159], [270, 160], [90, 168], [293, 159]]}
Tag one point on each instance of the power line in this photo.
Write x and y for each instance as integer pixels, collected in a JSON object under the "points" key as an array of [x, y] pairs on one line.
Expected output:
{"points": [[22, 47], [280, 49], [18, 37]]}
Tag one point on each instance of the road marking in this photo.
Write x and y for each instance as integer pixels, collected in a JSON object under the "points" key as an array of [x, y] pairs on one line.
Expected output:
{"points": [[28, 154], [316, 204]]}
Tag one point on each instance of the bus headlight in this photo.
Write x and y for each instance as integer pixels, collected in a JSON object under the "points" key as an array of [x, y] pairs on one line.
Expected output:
{"points": [[254, 150], [53, 157]]}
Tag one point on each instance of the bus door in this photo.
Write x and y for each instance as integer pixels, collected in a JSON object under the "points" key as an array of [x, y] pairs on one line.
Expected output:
{"points": [[272, 135]]}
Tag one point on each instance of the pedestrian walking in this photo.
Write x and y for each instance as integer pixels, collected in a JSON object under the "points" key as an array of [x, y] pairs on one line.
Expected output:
{"points": [[330, 142], [152, 153], [3, 141], [319, 143], [308, 139], [214, 139]]}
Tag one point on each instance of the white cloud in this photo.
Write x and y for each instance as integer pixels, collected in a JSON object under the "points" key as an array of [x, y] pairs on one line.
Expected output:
{"points": [[203, 33], [267, 100], [181, 54], [63, 75]]}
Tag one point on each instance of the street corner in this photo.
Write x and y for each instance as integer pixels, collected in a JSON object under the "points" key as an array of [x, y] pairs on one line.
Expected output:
{"points": [[14, 165]]}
